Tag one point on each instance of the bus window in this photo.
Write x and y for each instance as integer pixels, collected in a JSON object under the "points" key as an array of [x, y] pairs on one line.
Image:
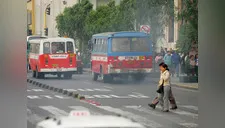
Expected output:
{"points": [[58, 47], [105, 46], [69, 46], [46, 48], [98, 45], [95, 45], [140, 45], [120, 45], [37, 48]]}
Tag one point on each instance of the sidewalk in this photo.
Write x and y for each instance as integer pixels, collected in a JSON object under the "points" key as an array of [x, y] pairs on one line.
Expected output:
{"points": [[175, 82]]}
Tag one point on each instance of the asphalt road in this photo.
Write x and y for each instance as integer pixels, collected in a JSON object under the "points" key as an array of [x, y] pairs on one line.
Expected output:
{"points": [[128, 99]]}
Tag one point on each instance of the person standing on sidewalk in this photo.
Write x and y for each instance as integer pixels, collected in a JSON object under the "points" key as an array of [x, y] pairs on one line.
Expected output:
{"points": [[168, 61], [166, 96], [176, 62]]}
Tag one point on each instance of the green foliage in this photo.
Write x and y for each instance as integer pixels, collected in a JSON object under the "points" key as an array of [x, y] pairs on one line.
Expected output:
{"points": [[71, 22], [188, 33], [81, 21]]}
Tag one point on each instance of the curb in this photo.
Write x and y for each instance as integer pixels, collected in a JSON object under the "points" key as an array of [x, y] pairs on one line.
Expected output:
{"points": [[186, 86], [59, 90]]}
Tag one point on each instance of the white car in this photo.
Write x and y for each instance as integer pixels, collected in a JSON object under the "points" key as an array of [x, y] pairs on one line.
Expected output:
{"points": [[83, 119]]}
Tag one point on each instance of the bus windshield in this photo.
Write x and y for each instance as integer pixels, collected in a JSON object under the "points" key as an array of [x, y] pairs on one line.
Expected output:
{"points": [[130, 45], [58, 47]]}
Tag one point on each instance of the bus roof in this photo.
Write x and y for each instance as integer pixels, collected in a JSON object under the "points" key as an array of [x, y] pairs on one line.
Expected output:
{"points": [[56, 39], [120, 34]]}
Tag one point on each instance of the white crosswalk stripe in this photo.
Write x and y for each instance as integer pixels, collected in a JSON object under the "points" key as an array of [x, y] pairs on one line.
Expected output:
{"points": [[171, 118], [190, 107]]}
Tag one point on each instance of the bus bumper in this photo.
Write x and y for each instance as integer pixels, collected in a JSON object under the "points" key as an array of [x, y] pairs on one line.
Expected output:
{"points": [[58, 69], [129, 71]]}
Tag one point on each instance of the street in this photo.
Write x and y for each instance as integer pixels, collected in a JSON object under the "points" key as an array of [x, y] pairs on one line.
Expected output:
{"points": [[127, 99]]}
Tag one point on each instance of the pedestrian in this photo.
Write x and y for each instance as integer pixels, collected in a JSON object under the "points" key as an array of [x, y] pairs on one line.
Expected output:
{"points": [[196, 64], [192, 65], [158, 59], [166, 95], [176, 62], [168, 60]]}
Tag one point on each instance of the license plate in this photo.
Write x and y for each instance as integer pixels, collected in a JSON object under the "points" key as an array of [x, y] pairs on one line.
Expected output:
{"points": [[130, 62], [54, 65], [141, 57]]}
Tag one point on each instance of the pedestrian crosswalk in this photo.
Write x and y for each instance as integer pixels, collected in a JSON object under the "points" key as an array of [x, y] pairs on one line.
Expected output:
{"points": [[143, 114]]}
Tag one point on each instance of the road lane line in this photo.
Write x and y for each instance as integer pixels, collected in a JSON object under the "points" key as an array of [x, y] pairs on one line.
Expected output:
{"points": [[135, 117], [47, 96], [55, 111], [37, 90], [61, 97], [171, 118], [189, 125], [183, 113], [108, 87], [190, 107], [33, 97], [84, 108], [102, 96]]}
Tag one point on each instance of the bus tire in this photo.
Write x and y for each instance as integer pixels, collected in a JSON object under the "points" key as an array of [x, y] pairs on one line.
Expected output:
{"points": [[39, 75], [59, 75], [94, 76], [34, 74]]}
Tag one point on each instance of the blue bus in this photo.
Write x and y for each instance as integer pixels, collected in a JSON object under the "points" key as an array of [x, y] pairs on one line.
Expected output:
{"points": [[120, 54]]}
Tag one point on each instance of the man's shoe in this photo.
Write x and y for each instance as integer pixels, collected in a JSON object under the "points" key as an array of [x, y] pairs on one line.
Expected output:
{"points": [[152, 106], [173, 108], [165, 110]]}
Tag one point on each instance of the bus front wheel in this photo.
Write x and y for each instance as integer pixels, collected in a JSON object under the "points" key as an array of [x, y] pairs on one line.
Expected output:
{"points": [[94, 76]]}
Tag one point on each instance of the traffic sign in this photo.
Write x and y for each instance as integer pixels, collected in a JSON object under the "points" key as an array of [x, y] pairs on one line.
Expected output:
{"points": [[145, 28]]}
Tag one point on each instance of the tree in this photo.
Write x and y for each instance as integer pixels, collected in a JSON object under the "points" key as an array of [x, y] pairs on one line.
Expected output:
{"points": [[103, 19], [188, 33], [71, 22]]}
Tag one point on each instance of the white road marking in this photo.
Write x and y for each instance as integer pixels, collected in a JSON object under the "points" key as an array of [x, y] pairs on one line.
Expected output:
{"points": [[184, 113], [138, 118], [33, 97], [102, 96], [37, 90], [28, 90], [108, 87], [189, 125], [88, 90], [88, 97], [120, 97], [47, 96], [55, 111], [84, 108], [190, 107], [171, 118], [139, 96]]}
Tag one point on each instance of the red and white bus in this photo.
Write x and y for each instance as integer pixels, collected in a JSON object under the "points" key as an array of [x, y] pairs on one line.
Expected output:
{"points": [[55, 56], [120, 54]]}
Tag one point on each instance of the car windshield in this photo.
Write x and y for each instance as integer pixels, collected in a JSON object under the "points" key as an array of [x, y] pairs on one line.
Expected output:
{"points": [[130, 45]]}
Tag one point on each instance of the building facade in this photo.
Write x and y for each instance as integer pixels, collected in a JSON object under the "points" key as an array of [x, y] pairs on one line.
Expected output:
{"points": [[171, 31], [38, 20]]}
